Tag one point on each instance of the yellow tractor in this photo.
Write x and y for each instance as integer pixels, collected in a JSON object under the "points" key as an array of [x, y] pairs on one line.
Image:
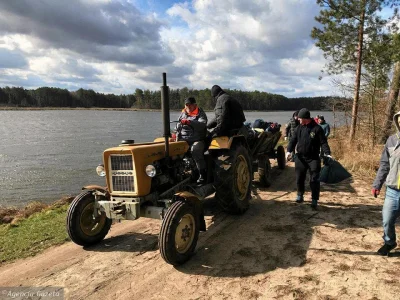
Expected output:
{"points": [[156, 180]]}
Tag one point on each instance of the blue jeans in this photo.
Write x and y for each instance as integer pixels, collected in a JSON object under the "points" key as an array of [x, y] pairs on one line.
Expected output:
{"points": [[390, 212]]}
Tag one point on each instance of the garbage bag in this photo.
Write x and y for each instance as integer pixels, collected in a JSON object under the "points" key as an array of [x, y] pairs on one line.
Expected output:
{"points": [[333, 172], [260, 123]]}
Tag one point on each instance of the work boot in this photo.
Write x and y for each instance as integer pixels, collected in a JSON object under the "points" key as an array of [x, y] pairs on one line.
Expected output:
{"points": [[299, 199], [202, 177], [314, 204], [385, 249]]}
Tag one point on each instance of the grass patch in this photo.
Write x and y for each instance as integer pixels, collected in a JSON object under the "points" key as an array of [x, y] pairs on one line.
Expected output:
{"points": [[31, 235]]}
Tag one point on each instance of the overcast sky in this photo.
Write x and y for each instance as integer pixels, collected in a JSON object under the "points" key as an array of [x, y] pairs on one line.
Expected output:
{"points": [[116, 46]]}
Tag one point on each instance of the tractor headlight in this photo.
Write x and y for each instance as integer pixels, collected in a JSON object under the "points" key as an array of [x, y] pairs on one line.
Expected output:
{"points": [[100, 170], [151, 170]]}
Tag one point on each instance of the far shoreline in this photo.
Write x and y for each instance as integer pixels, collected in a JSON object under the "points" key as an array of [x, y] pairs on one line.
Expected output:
{"points": [[14, 108]]}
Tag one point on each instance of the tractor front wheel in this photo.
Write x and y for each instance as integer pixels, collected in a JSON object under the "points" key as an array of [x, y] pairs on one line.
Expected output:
{"points": [[84, 228], [179, 233]]}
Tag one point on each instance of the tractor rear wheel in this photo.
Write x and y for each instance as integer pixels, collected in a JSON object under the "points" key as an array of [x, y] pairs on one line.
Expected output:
{"points": [[264, 170], [179, 233], [280, 156], [83, 227], [233, 185]]}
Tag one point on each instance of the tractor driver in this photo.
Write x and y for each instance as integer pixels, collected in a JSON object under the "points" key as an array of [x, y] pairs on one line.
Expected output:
{"points": [[192, 129]]}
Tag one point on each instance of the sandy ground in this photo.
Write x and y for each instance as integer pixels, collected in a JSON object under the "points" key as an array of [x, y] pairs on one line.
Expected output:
{"points": [[276, 250]]}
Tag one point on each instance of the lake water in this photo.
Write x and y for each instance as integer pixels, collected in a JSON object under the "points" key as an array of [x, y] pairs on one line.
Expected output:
{"points": [[47, 154]]}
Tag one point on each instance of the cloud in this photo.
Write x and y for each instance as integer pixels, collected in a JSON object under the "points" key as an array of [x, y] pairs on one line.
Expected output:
{"points": [[244, 44], [116, 46], [20, 79], [11, 59], [102, 30]]}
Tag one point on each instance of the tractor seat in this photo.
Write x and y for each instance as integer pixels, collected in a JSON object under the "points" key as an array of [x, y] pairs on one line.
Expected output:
{"points": [[239, 131]]}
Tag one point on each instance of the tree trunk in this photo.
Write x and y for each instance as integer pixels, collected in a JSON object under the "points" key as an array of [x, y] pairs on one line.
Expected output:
{"points": [[373, 119], [391, 103], [356, 101]]}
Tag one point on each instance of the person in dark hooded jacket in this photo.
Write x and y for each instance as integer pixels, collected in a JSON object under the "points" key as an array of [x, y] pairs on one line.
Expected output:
{"points": [[292, 125], [229, 113], [307, 140]]}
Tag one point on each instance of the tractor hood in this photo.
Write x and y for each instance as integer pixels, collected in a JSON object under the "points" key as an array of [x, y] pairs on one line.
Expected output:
{"points": [[130, 161]]}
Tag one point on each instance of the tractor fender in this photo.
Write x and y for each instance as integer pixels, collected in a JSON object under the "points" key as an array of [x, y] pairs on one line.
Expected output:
{"points": [[95, 187], [224, 142], [197, 204]]}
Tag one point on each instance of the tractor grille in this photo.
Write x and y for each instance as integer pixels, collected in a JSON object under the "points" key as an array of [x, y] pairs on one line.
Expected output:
{"points": [[122, 173]]}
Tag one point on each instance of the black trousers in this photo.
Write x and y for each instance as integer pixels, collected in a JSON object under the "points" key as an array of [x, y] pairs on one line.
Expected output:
{"points": [[303, 164]]}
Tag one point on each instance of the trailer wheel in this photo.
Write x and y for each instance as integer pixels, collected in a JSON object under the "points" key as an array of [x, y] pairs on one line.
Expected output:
{"points": [[264, 170], [179, 233], [233, 185], [82, 227], [280, 156]]}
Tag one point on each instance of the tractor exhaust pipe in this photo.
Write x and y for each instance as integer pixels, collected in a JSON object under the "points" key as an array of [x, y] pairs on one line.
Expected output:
{"points": [[165, 113]]}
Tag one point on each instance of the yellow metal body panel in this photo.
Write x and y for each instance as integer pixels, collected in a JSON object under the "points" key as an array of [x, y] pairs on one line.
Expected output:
{"points": [[143, 155], [221, 142]]}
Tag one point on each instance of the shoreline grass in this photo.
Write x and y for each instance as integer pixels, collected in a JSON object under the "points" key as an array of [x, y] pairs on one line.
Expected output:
{"points": [[34, 234], [30, 230]]}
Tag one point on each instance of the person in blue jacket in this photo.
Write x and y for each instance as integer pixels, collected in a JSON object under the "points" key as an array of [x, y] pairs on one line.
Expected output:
{"points": [[325, 126]]}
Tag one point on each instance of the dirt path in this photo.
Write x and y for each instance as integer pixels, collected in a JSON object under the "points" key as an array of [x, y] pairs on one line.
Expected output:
{"points": [[276, 250]]}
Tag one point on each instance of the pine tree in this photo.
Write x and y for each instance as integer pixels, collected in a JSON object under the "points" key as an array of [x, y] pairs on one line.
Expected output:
{"points": [[348, 28]]}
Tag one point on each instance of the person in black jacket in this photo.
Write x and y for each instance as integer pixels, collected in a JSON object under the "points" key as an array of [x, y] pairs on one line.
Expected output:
{"points": [[229, 113], [307, 140], [292, 125]]}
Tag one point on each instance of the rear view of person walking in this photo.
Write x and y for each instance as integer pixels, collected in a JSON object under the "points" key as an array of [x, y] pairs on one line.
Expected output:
{"points": [[389, 173], [308, 139]]}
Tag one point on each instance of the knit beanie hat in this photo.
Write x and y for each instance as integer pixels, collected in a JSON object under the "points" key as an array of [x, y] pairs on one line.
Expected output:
{"points": [[190, 100], [304, 113]]}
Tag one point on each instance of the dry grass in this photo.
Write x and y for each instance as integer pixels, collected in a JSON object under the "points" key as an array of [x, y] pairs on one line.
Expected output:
{"points": [[11, 215], [309, 278], [343, 267], [361, 157]]}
